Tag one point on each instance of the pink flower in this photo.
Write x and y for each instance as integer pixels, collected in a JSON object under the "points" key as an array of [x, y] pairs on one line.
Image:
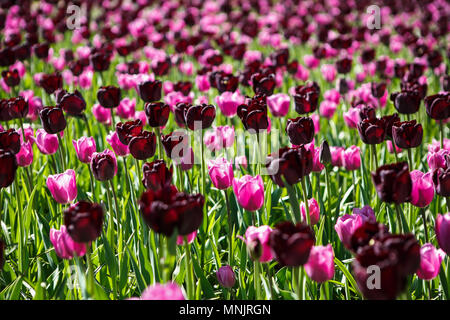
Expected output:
{"points": [[316, 119], [228, 102], [336, 156], [262, 235], [436, 160], [442, 229], [221, 173], [422, 188], [391, 149], [226, 133], [187, 68], [328, 72], [85, 79], [103, 115], [167, 291], [202, 83], [25, 155], [84, 148], [310, 61], [332, 95], [430, 262], [65, 247], [126, 108], [225, 276], [314, 211], [351, 158], [190, 238], [141, 116], [320, 265], [279, 104], [351, 117], [327, 108], [240, 161], [119, 148], [63, 186], [366, 213], [29, 133], [46, 143], [345, 226], [249, 192]]}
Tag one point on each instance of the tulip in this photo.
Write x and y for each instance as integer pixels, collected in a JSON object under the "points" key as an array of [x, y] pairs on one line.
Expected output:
{"points": [[346, 226], [366, 213], [314, 210], [127, 108], [422, 188], [46, 143], [257, 240], [336, 156], [279, 104], [225, 276], [190, 238], [441, 180], [168, 291], [438, 106], [351, 158], [52, 119], [126, 131], [202, 83], [436, 160], [102, 115], [300, 130], [25, 155], [291, 244], [320, 265], [175, 144], [393, 182], [241, 161], [143, 145], [104, 165], [389, 122], [84, 148], [442, 229], [84, 221], [306, 98], [378, 89], [109, 96], [430, 262], [221, 173], [63, 186], [150, 91], [157, 114], [73, 103], [328, 72], [65, 247], [344, 65], [17, 108], [8, 165], [291, 163], [200, 116], [327, 109], [406, 101], [407, 134], [10, 140], [249, 192], [167, 209], [119, 148], [156, 175], [51, 82], [372, 131]]}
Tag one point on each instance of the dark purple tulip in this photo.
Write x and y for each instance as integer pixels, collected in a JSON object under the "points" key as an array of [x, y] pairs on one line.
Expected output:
{"points": [[10, 140], [104, 165], [143, 145], [17, 108], [11, 77], [438, 106], [306, 98], [73, 103], [378, 89], [371, 131], [300, 130], [388, 122], [406, 101], [200, 116], [109, 96], [156, 175], [254, 114], [84, 221], [393, 182], [150, 91], [157, 113], [126, 131], [441, 180], [52, 119], [8, 168], [344, 65], [407, 134], [51, 82]]}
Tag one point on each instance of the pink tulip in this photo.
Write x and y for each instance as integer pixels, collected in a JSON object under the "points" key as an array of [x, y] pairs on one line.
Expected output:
{"points": [[442, 229], [422, 188], [436, 160], [186, 162], [316, 119], [332, 95], [46, 143], [65, 247], [351, 158], [227, 135], [320, 265], [84, 148], [279, 104], [202, 82], [29, 132], [366, 213], [126, 108], [327, 108], [221, 173], [314, 211], [345, 227], [240, 161], [390, 147], [328, 72], [249, 192], [103, 115], [262, 235], [25, 155], [119, 148], [336, 156], [228, 102], [351, 117], [167, 291], [141, 116], [225, 276], [310, 61], [190, 238], [63, 186], [430, 262]]}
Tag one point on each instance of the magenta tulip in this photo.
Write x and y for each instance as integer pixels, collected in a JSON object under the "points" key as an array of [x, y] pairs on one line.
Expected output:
{"points": [[25, 155], [228, 102], [190, 238], [101, 114], [279, 104], [366, 213], [442, 229], [346, 226], [422, 188], [314, 211], [225, 276], [351, 158], [336, 156], [167, 291], [119, 148], [65, 247], [430, 262], [320, 265], [249, 192], [63, 186], [221, 173], [259, 237], [46, 143], [240, 161], [84, 148]]}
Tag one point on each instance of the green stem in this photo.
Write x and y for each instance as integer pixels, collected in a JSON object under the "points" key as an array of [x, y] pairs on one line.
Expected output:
{"points": [[395, 150], [90, 271], [305, 200], [410, 159], [87, 125], [422, 211], [257, 280], [441, 125], [300, 282], [190, 280], [20, 228], [61, 152], [92, 183], [401, 227], [116, 203], [230, 230], [374, 154]]}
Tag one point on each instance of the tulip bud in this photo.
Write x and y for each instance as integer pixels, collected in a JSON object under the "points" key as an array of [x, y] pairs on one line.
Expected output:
{"points": [[225, 276], [325, 154]]}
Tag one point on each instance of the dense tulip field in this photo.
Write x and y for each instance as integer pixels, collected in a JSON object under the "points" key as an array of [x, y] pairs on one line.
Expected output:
{"points": [[224, 149]]}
